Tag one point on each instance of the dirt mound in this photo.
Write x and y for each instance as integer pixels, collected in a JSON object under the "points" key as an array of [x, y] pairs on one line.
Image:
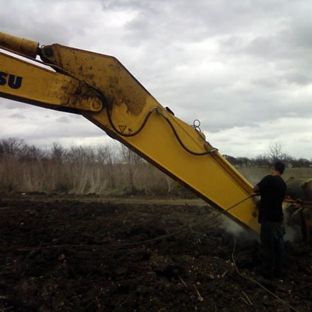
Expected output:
{"points": [[67, 255]]}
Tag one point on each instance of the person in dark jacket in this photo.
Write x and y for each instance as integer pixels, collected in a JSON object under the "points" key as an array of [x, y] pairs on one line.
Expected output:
{"points": [[272, 190]]}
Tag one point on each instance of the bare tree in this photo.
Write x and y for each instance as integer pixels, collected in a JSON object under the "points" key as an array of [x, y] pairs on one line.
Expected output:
{"points": [[106, 158], [276, 153], [131, 162], [11, 147]]}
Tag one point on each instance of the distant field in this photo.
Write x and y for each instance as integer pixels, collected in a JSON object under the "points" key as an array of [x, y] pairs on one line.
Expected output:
{"points": [[254, 175]]}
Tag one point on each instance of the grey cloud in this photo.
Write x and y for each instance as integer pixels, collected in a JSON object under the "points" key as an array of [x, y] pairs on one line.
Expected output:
{"points": [[17, 116], [62, 119], [236, 65]]}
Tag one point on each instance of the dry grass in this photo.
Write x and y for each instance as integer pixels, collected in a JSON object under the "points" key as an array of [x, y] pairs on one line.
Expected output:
{"points": [[254, 175]]}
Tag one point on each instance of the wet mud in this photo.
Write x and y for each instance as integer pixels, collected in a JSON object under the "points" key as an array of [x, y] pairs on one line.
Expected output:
{"points": [[75, 255]]}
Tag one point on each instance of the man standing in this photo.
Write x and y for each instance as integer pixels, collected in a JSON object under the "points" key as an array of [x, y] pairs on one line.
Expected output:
{"points": [[272, 189]]}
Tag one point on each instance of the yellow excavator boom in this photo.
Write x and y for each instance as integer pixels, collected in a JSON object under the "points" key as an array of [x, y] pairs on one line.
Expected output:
{"points": [[101, 89]]}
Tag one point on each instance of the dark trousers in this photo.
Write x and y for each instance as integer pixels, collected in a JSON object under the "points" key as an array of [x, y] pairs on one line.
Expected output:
{"points": [[273, 249]]}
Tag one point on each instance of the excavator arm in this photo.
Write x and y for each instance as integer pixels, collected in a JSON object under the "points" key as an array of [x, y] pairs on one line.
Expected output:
{"points": [[102, 90]]}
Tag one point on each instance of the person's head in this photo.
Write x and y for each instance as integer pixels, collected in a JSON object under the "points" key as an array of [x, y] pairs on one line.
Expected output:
{"points": [[279, 167]]}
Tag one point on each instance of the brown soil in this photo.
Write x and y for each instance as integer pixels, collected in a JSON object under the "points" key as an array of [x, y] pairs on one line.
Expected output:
{"points": [[137, 255]]}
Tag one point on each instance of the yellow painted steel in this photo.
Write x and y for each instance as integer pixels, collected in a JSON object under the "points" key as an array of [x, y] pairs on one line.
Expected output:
{"points": [[134, 117], [25, 82], [20, 45]]}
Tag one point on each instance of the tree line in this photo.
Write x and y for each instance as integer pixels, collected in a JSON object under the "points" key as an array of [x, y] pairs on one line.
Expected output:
{"points": [[111, 169], [275, 153], [106, 169]]}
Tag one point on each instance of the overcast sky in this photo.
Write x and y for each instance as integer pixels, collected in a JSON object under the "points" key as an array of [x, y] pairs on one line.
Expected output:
{"points": [[243, 68]]}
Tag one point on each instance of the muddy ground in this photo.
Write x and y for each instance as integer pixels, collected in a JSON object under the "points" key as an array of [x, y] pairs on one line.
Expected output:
{"points": [[137, 255]]}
